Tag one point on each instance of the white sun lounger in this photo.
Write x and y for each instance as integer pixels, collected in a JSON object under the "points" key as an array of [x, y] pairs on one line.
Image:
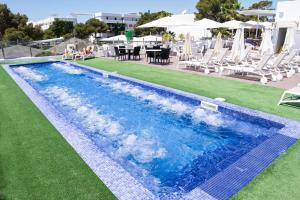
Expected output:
{"points": [[243, 59], [274, 66], [288, 65], [253, 69], [197, 63], [217, 62], [292, 93]]}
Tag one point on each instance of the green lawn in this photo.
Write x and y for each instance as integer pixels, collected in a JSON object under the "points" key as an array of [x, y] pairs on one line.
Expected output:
{"points": [[36, 162]]}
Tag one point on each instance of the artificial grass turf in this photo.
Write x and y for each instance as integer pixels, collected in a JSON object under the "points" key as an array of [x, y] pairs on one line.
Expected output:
{"points": [[35, 160], [282, 178], [36, 163]]}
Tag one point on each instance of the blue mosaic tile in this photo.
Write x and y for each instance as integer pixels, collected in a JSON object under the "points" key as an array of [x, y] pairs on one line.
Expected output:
{"points": [[236, 176]]}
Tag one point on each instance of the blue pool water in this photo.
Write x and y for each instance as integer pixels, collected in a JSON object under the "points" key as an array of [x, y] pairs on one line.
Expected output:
{"points": [[171, 146]]}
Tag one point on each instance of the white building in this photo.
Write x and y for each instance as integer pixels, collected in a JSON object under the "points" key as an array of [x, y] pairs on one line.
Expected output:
{"points": [[129, 20], [45, 23], [287, 16]]}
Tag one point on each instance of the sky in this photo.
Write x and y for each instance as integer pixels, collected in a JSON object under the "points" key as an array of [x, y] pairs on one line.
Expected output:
{"points": [[39, 9]]}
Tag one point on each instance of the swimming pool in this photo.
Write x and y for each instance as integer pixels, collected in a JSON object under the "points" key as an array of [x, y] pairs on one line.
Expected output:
{"points": [[162, 137]]}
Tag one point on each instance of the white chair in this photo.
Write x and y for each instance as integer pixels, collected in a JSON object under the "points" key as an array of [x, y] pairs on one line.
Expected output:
{"points": [[294, 92], [69, 52], [90, 54], [256, 69], [217, 62], [273, 66], [288, 65], [198, 63], [244, 59]]}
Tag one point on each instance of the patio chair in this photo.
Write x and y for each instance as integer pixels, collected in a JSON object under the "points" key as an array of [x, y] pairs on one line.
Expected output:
{"points": [[204, 61], [136, 52], [293, 96], [255, 69], [274, 66], [69, 52], [196, 63], [156, 46], [118, 54], [245, 59], [216, 63], [90, 53], [288, 65], [164, 56], [150, 55]]}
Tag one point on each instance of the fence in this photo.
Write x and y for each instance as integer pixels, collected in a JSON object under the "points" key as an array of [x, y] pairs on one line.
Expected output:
{"points": [[17, 51]]}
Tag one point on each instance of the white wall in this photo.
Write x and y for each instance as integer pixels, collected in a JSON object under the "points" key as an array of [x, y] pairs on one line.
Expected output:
{"points": [[288, 10], [287, 15]]}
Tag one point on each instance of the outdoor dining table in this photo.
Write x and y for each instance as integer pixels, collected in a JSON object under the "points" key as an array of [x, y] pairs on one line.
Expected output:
{"points": [[155, 51], [129, 51]]}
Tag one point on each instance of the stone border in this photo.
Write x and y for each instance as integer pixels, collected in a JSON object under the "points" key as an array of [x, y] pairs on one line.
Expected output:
{"points": [[221, 186]]}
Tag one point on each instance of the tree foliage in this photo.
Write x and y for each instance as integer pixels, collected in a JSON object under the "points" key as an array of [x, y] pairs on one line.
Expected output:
{"points": [[33, 32], [61, 28], [48, 34], [10, 20], [218, 10], [80, 31], [96, 26], [146, 18], [261, 5], [13, 34], [15, 27]]}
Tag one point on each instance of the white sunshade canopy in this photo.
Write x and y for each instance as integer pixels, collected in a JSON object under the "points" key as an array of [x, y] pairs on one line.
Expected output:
{"points": [[234, 24], [254, 23], [266, 45], [121, 38], [238, 47], [261, 13], [289, 42], [260, 24], [174, 20], [148, 38], [187, 47], [207, 24], [219, 43]]}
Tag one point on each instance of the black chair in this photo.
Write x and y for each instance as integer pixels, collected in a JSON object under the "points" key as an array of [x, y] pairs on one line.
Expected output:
{"points": [[136, 53], [118, 54], [156, 47], [150, 54], [164, 56], [123, 52]]}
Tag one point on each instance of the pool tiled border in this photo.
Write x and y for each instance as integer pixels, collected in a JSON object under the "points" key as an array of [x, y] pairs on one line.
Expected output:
{"points": [[222, 186]]}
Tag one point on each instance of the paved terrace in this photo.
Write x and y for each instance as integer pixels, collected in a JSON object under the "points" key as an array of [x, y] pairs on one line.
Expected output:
{"points": [[286, 83]]}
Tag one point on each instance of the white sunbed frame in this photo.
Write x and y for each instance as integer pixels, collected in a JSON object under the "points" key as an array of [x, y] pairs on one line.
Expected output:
{"points": [[294, 92], [288, 66], [257, 69], [216, 63], [198, 63]]}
